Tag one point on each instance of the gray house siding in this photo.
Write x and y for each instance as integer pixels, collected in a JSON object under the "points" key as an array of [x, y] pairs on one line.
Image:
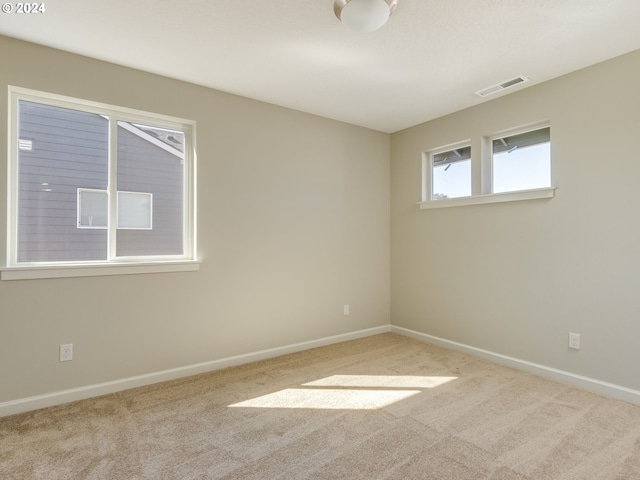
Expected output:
{"points": [[144, 167], [70, 151]]}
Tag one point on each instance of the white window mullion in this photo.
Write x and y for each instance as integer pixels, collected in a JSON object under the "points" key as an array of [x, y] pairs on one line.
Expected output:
{"points": [[427, 176], [113, 188], [189, 194], [486, 175]]}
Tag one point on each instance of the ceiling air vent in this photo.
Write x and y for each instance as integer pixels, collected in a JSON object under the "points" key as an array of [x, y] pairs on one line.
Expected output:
{"points": [[485, 92]]}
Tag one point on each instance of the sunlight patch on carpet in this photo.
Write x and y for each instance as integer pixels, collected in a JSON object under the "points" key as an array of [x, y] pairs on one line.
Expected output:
{"points": [[354, 392], [380, 381], [328, 399]]}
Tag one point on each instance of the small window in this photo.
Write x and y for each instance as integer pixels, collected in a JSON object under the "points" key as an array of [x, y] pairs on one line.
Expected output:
{"points": [[451, 173], [93, 208], [521, 161], [135, 210]]}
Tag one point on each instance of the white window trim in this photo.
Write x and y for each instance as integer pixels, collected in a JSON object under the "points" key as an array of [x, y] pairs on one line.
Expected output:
{"points": [[32, 272], [115, 266], [538, 193]]}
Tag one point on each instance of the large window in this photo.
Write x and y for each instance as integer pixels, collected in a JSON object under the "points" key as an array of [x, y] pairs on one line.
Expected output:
{"points": [[96, 184]]}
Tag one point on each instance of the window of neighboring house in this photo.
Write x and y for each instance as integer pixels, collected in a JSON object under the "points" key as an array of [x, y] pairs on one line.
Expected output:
{"points": [[92, 183], [521, 161], [93, 208], [451, 173], [135, 211]]}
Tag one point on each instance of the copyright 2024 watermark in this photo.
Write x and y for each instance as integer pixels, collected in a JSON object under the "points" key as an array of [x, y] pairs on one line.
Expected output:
{"points": [[23, 8]]}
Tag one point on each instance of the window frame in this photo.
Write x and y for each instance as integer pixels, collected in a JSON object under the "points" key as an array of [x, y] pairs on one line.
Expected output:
{"points": [[431, 158], [481, 173], [113, 265], [513, 133]]}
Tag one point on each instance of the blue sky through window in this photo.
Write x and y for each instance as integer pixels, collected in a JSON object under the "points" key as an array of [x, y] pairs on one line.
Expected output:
{"points": [[452, 180], [522, 169]]}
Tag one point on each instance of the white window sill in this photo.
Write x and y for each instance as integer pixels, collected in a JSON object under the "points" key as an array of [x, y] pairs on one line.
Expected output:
{"points": [[538, 193], [95, 270]]}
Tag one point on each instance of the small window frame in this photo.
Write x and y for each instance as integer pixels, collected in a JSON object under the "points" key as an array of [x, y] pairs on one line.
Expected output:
{"points": [[428, 165], [513, 133]]}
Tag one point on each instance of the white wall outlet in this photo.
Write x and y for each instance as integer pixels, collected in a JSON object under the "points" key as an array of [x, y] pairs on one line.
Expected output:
{"points": [[345, 310], [574, 341], [66, 352]]}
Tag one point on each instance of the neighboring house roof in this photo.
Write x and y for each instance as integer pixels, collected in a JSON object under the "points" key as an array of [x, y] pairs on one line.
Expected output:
{"points": [[169, 140]]}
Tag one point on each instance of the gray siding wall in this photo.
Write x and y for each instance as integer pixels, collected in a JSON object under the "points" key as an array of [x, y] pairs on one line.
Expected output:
{"points": [[70, 151], [144, 167]]}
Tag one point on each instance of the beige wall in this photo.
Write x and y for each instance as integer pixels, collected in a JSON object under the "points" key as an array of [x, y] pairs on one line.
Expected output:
{"points": [[515, 278], [293, 222]]}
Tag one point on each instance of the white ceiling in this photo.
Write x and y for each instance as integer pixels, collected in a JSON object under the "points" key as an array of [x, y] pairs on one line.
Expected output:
{"points": [[424, 63]]}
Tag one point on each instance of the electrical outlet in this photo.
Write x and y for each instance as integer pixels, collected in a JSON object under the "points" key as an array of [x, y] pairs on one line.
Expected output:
{"points": [[574, 341], [345, 310], [66, 352]]}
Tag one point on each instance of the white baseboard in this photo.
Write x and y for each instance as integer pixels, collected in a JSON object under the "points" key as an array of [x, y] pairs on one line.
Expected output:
{"points": [[586, 383], [56, 398]]}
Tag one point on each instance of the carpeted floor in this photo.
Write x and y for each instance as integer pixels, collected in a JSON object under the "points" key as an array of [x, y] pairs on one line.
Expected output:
{"points": [[382, 407]]}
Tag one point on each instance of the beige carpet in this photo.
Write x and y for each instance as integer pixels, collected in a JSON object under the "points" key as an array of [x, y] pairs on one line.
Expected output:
{"points": [[383, 407]]}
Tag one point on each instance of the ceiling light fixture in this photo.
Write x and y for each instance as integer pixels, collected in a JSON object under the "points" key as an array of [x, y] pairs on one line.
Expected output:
{"points": [[364, 15]]}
